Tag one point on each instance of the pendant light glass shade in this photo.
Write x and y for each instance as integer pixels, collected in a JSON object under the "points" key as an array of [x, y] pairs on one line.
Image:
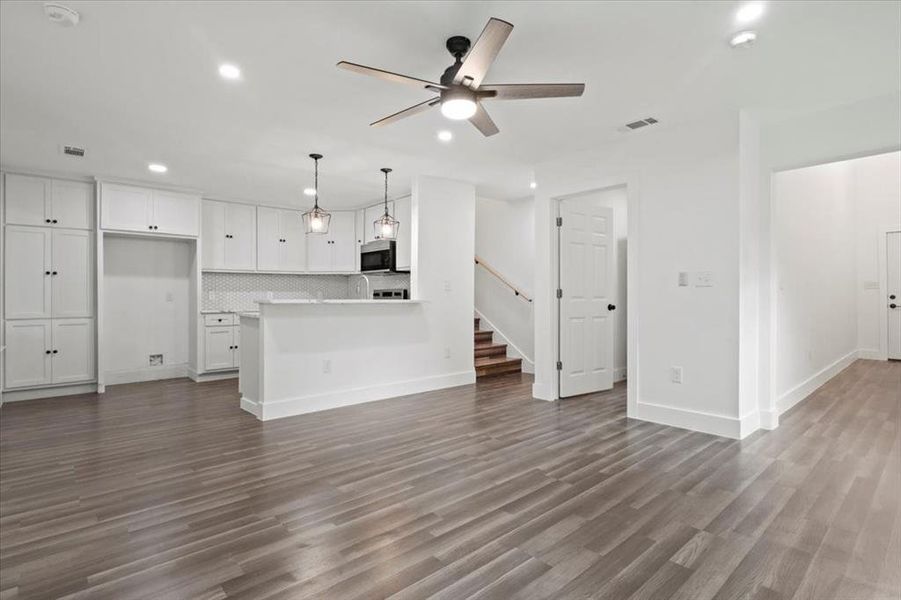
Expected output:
{"points": [[385, 227], [316, 220]]}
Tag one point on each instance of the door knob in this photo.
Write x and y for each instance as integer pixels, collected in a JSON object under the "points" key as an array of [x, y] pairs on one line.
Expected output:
{"points": [[611, 307]]}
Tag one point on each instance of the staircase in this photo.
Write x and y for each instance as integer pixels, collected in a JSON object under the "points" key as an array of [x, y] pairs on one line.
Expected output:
{"points": [[491, 358]]}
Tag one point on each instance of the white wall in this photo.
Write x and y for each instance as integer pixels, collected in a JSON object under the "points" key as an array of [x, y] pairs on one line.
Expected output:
{"points": [[146, 307], [505, 239], [816, 277], [683, 190], [876, 191]]}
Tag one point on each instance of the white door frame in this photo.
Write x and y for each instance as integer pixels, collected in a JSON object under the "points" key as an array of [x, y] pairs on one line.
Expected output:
{"points": [[883, 287], [546, 385]]}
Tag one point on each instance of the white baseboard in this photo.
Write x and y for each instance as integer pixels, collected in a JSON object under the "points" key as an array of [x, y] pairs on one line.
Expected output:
{"points": [[721, 425], [528, 364], [145, 374], [809, 385], [299, 405], [251, 406], [619, 374], [49, 392], [769, 419], [212, 376], [869, 354], [544, 391]]}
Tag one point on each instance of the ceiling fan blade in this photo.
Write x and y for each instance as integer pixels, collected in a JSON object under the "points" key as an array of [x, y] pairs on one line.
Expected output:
{"points": [[483, 122], [407, 112], [480, 58], [389, 76], [525, 91]]}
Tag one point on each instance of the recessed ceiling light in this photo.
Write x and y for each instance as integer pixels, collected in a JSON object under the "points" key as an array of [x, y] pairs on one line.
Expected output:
{"points": [[743, 38], [749, 12], [309, 192], [533, 185], [445, 135], [228, 71], [157, 168]]}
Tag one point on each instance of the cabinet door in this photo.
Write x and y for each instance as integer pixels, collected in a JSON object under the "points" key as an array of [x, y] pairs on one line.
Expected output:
{"points": [[27, 360], [71, 204], [269, 236], [124, 207], [342, 231], [27, 199], [319, 251], [73, 350], [213, 235], [73, 282], [403, 213], [236, 345], [241, 245], [28, 267], [218, 352], [178, 214], [294, 248]]}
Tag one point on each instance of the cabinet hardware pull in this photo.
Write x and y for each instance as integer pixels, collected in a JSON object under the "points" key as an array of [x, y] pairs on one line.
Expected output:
{"points": [[150, 227], [56, 351], [55, 221], [54, 273], [46, 351], [46, 272], [46, 220]]}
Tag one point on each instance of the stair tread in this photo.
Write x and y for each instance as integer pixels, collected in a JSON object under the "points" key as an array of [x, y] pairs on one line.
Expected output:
{"points": [[488, 361], [494, 345]]}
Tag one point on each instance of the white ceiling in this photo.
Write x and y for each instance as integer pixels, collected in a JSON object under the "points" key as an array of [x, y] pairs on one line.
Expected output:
{"points": [[138, 82]]}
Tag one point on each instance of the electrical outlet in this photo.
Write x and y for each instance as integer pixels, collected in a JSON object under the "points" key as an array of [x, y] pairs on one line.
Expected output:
{"points": [[447, 285], [683, 278], [675, 374], [704, 279], [447, 352], [156, 360], [327, 366]]}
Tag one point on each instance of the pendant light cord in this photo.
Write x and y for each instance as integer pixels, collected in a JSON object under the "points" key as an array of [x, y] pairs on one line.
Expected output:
{"points": [[386, 170], [316, 182]]}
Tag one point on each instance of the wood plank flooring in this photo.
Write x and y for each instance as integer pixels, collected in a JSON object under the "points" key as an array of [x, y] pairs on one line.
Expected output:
{"points": [[168, 490]]}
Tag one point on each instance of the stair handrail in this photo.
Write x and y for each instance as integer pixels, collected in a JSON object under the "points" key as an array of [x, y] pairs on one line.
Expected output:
{"points": [[516, 291]]}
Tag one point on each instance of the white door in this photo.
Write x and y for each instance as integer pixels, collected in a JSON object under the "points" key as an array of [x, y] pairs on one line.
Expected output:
{"points": [[404, 214], [269, 238], [125, 208], [72, 273], [28, 352], [893, 283], [27, 199], [241, 243], [213, 235], [72, 350], [218, 351], [71, 204], [342, 233], [293, 256], [28, 272], [178, 214], [587, 279]]}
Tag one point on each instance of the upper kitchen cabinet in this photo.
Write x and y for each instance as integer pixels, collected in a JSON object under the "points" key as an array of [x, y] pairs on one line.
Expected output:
{"points": [[145, 210], [280, 240], [335, 251], [49, 202], [404, 214], [229, 236]]}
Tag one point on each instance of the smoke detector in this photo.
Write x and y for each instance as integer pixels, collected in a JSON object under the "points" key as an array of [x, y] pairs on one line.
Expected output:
{"points": [[61, 15]]}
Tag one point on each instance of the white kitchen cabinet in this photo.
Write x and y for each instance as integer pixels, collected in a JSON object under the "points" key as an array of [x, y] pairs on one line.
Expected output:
{"points": [[28, 288], [28, 351], [72, 354], [335, 251], [49, 202], [221, 347], [404, 214], [280, 240], [130, 208], [370, 215], [229, 236], [72, 273]]}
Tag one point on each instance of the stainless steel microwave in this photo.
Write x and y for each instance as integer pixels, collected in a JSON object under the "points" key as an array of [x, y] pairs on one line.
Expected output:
{"points": [[379, 256]]}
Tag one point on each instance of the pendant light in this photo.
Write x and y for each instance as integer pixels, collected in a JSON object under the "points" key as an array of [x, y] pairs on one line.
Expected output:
{"points": [[385, 227], [316, 220]]}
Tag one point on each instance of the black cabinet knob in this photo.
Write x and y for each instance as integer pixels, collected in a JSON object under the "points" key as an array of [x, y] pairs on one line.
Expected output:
{"points": [[150, 227], [54, 273], [893, 305], [46, 351], [892, 297], [46, 220], [56, 351], [46, 272], [611, 307], [55, 221]]}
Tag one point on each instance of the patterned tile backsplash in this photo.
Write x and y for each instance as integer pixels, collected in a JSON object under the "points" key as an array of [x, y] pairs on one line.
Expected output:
{"points": [[239, 291]]}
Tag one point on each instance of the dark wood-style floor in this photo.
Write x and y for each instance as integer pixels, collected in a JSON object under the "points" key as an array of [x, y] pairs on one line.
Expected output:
{"points": [[168, 490]]}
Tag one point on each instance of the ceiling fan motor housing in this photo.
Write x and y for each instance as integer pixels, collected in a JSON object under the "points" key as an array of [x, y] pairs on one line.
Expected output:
{"points": [[458, 46]]}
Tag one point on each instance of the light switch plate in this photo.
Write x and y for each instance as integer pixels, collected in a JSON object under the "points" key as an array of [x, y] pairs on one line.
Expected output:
{"points": [[704, 279], [675, 374], [683, 278]]}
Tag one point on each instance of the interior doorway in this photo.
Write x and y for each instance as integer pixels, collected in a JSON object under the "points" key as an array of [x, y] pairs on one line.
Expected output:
{"points": [[592, 230]]}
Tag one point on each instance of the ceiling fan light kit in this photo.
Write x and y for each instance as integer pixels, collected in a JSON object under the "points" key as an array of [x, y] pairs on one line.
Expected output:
{"points": [[460, 91], [316, 220]]}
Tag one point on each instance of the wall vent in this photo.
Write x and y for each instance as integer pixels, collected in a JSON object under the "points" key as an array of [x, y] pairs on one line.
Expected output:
{"points": [[73, 151], [640, 123]]}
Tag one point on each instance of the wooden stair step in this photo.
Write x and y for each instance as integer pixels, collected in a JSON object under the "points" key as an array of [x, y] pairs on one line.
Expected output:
{"points": [[483, 336], [490, 349], [496, 365], [475, 322]]}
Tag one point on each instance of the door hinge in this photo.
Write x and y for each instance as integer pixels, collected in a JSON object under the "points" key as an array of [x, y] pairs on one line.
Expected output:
{"points": [[559, 293], [559, 365], [559, 221]]}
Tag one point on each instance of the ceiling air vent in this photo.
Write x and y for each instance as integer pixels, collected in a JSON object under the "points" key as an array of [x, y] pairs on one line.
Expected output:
{"points": [[73, 151], [641, 123]]}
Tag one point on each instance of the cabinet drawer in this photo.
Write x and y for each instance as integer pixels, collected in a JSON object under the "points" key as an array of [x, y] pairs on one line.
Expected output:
{"points": [[218, 319]]}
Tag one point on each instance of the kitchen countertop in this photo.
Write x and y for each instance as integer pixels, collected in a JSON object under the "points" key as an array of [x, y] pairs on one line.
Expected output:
{"points": [[337, 301]]}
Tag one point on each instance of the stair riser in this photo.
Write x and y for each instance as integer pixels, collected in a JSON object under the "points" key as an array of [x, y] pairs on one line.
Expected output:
{"points": [[497, 370], [491, 351], [483, 336]]}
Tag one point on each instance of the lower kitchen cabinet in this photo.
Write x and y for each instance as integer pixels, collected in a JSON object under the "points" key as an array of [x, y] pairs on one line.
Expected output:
{"points": [[221, 347], [49, 351]]}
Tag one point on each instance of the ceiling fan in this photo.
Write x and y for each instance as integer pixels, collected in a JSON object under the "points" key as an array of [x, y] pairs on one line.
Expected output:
{"points": [[460, 91]]}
